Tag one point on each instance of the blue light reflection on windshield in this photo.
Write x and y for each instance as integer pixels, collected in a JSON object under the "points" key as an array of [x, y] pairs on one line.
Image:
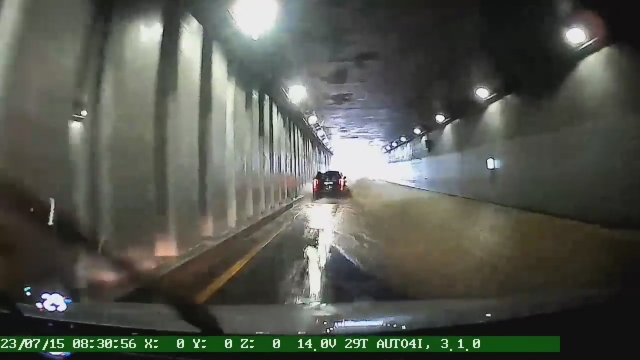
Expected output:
{"points": [[50, 301], [56, 355]]}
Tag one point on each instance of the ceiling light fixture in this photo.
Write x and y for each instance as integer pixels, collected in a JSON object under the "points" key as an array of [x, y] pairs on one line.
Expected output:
{"points": [[482, 92], [576, 36], [254, 17], [312, 119], [297, 94]]}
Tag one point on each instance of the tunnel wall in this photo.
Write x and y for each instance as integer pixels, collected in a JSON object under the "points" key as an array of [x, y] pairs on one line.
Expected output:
{"points": [[171, 151], [573, 153]]}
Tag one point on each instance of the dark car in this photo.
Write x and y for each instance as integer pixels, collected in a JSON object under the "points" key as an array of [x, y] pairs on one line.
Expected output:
{"points": [[330, 183]]}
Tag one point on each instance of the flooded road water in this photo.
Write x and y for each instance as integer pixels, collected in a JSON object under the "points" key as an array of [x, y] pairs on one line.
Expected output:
{"points": [[390, 242], [395, 243], [305, 264]]}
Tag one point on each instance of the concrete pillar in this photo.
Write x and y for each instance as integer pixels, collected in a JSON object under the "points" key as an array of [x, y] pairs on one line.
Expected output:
{"points": [[296, 159], [83, 134], [263, 155], [285, 157], [246, 137], [205, 145], [256, 156], [218, 196], [130, 129], [304, 161], [307, 146], [301, 159], [241, 143], [43, 46], [230, 156], [182, 134], [275, 153], [270, 188], [279, 150]]}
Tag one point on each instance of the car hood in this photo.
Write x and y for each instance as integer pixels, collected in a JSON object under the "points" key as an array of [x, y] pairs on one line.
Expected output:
{"points": [[347, 318]]}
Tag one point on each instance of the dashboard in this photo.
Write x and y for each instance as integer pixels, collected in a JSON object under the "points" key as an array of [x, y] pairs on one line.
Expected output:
{"points": [[601, 326]]}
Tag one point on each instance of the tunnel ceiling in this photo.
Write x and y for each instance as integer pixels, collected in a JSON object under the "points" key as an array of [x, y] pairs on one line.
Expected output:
{"points": [[377, 68]]}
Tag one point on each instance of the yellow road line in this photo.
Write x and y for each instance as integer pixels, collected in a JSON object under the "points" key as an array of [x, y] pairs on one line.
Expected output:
{"points": [[219, 282]]}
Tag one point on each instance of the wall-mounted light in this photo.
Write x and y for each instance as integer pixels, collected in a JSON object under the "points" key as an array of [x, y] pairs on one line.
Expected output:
{"points": [[403, 138], [313, 119], [491, 163], [80, 115], [417, 130], [440, 118]]}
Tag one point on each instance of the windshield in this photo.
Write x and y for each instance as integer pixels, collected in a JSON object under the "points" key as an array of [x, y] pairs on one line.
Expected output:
{"points": [[466, 164]]}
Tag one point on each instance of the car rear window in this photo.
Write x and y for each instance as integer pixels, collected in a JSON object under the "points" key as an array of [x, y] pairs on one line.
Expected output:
{"points": [[332, 175]]}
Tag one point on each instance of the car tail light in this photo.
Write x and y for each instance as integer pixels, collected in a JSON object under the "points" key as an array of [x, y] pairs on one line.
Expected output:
{"points": [[315, 184], [341, 182]]}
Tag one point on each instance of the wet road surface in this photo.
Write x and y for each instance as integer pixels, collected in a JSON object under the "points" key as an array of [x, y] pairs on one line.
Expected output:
{"points": [[390, 242], [304, 264]]}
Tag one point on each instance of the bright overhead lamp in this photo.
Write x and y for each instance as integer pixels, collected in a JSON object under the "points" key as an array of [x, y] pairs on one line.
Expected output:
{"points": [[417, 130], [394, 144], [297, 94], [254, 17], [313, 119], [482, 92], [576, 36], [440, 118], [403, 138]]}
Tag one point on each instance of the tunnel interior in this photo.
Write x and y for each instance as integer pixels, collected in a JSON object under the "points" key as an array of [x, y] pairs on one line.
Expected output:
{"points": [[489, 149]]}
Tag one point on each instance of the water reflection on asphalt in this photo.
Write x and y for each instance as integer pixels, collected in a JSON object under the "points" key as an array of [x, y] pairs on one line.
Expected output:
{"points": [[305, 264]]}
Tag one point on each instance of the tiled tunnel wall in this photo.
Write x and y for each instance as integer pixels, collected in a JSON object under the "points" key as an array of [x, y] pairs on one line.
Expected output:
{"points": [[172, 148], [573, 153]]}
